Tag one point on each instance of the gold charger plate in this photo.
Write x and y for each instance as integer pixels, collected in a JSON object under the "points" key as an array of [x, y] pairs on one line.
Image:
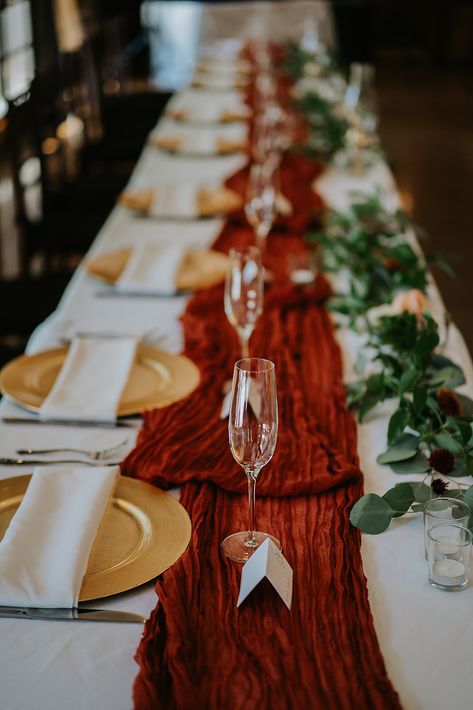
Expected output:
{"points": [[143, 532], [199, 269], [157, 379]]}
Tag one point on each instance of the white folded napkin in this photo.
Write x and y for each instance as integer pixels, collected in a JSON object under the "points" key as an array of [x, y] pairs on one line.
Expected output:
{"points": [[218, 81], [45, 550], [91, 380], [152, 268], [211, 112], [200, 140], [175, 201]]}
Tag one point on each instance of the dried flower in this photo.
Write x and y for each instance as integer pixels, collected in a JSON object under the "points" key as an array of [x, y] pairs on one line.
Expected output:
{"points": [[413, 301], [441, 460], [449, 403], [391, 264], [439, 486]]}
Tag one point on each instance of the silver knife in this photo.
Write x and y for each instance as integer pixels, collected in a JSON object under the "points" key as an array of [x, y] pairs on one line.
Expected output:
{"points": [[49, 462], [140, 294], [77, 614], [72, 422]]}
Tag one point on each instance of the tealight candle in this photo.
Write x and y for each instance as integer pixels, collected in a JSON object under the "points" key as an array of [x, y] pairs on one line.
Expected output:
{"points": [[449, 568]]}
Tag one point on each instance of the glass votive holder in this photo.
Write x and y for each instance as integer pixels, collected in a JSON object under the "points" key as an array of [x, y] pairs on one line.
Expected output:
{"points": [[448, 556], [302, 269], [441, 510]]}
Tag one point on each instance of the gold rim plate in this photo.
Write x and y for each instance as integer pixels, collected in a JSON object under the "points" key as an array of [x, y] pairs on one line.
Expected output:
{"points": [[143, 532], [157, 379], [199, 269]]}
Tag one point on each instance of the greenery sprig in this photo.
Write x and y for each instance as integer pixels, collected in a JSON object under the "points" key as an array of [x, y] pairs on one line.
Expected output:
{"points": [[369, 242], [297, 62], [327, 129], [430, 432]]}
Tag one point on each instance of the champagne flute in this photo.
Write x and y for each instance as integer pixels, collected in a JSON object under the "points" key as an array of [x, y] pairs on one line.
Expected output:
{"points": [[252, 433], [260, 206], [243, 299]]}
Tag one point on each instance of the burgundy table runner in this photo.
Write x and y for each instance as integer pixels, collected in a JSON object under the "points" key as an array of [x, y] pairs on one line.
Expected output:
{"points": [[198, 649]]}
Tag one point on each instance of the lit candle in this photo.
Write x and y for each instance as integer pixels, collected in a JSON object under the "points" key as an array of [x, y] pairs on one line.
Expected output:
{"points": [[452, 569]]}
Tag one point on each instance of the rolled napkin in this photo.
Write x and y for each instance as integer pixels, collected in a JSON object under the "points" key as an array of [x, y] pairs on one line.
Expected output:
{"points": [[152, 268], [182, 201], [45, 550], [91, 380]]}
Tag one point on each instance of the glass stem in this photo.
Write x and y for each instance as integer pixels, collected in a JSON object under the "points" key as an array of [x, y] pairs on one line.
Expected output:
{"points": [[251, 539], [261, 236], [244, 345]]}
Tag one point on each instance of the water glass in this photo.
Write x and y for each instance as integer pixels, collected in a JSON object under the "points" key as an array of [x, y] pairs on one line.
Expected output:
{"points": [[244, 288], [260, 205], [252, 433], [441, 510], [448, 556]]}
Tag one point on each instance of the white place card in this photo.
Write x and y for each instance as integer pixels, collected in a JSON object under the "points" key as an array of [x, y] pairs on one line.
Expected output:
{"points": [[267, 562]]}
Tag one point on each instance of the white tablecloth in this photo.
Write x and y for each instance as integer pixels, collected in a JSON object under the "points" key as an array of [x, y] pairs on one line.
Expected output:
{"points": [[424, 634]]}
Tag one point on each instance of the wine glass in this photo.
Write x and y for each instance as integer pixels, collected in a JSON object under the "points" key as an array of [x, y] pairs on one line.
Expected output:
{"points": [[260, 205], [243, 299], [252, 433]]}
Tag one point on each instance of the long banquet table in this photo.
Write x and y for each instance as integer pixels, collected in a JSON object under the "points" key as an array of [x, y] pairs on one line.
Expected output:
{"points": [[424, 634]]}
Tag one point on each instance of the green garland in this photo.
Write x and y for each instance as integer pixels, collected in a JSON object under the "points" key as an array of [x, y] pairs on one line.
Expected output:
{"points": [[327, 128], [368, 242], [430, 431]]}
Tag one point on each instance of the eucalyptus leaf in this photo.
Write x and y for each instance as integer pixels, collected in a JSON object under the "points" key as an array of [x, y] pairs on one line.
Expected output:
{"points": [[417, 508], [419, 464], [466, 405], [447, 377], [468, 497], [446, 441], [419, 398], [408, 378], [371, 514], [400, 498], [405, 448], [459, 469], [397, 424], [422, 492]]}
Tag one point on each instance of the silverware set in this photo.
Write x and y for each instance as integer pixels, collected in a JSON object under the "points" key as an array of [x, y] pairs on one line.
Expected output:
{"points": [[98, 458]]}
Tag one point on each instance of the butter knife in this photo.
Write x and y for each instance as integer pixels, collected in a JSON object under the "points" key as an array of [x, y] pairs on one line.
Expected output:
{"points": [[49, 462], [77, 614], [72, 422]]}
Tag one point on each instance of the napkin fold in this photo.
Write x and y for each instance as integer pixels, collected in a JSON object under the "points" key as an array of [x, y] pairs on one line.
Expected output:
{"points": [[152, 268], [91, 380], [45, 550], [175, 200]]}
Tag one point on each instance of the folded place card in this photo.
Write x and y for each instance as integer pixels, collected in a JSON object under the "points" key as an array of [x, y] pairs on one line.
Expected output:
{"points": [[91, 380], [267, 561], [152, 268], [45, 550]]}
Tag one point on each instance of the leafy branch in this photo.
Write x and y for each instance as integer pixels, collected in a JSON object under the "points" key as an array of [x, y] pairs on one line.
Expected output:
{"points": [[430, 432], [369, 243]]}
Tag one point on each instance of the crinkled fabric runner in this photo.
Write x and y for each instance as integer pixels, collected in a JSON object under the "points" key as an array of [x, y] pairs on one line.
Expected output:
{"points": [[198, 649]]}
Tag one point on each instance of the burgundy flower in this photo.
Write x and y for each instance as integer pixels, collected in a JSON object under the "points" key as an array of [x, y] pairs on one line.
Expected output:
{"points": [[449, 403], [439, 486], [441, 460]]}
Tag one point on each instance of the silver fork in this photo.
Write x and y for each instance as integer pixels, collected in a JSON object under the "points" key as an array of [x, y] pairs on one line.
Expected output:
{"points": [[99, 455]]}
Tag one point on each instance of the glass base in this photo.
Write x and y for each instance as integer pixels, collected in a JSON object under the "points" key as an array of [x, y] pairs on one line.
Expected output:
{"points": [[235, 547], [449, 587]]}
